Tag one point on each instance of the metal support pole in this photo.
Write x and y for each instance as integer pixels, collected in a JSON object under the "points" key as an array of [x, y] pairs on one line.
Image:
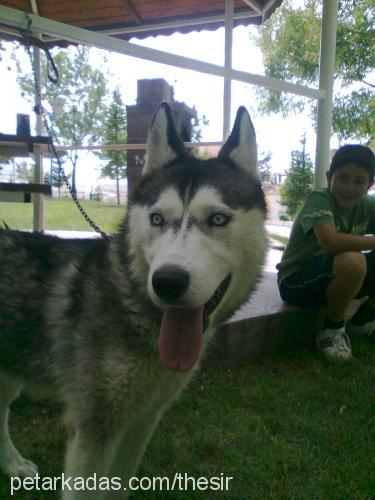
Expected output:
{"points": [[229, 12], [38, 224], [326, 79]]}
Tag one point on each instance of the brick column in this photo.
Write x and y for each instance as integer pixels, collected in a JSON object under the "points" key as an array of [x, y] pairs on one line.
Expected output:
{"points": [[149, 94]]}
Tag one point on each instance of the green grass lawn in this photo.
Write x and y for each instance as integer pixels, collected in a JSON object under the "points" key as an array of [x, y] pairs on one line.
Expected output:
{"points": [[63, 214], [287, 427]]}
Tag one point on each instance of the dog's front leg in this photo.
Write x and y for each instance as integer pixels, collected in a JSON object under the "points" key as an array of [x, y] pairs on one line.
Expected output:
{"points": [[12, 462], [87, 457], [129, 451]]}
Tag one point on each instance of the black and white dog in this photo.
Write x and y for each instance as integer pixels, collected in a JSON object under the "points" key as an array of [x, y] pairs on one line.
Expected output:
{"points": [[115, 328]]}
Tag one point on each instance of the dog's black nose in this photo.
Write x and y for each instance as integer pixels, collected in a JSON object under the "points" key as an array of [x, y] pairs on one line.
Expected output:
{"points": [[170, 282]]}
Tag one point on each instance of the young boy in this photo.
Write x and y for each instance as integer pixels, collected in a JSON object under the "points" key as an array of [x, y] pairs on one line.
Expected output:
{"points": [[324, 263]]}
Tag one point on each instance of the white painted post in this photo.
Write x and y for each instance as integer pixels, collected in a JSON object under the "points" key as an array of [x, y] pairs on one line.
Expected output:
{"points": [[326, 79], [229, 12], [38, 224]]}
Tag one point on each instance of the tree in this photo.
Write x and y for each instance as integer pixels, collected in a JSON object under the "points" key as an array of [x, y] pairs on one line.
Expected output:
{"points": [[115, 133], [75, 104], [290, 41], [2, 49], [298, 181], [3, 161], [54, 176], [264, 167], [200, 122], [24, 171]]}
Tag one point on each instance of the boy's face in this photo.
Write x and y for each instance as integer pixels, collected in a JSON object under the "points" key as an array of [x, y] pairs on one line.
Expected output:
{"points": [[348, 184]]}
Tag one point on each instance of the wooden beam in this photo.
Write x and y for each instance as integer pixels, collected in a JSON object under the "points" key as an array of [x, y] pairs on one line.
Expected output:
{"points": [[15, 187], [34, 7], [34, 139], [135, 13], [22, 145], [254, 5], [17, 197]]}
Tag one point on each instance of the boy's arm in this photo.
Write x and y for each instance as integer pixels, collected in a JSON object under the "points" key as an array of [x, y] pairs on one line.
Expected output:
{"points": [[333, 242]]}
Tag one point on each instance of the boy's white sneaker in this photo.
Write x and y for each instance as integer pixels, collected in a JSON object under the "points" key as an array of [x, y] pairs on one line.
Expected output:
{"points": [[366, 330], [334, 344]]}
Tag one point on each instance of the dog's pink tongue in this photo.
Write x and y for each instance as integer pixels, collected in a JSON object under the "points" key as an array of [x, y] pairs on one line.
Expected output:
{"points": [[180, 339]]}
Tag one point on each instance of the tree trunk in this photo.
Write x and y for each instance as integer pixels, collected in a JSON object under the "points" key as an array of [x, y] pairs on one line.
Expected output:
{"points": [[74, 191], [74, 163], [118, 186]]}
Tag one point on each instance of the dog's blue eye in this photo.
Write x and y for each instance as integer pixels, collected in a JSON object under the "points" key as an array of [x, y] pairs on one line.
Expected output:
{"points": [[156, 220], [218, 219]]}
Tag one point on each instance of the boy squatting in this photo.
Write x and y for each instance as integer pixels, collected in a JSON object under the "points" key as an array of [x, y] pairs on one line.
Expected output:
{"points": [[330, 257]]}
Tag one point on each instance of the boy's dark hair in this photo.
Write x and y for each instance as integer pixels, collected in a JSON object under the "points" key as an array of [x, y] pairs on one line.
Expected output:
{"points": [[356, 154]]}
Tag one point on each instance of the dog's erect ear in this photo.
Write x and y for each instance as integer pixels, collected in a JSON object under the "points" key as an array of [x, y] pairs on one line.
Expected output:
{"points": [[163, 143], [241, 146]]}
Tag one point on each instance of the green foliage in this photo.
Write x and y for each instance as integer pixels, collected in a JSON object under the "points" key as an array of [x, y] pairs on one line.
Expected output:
{"points": [[54, 177], [2, 49], [3, 161], [25, 171], [97, 194], [284, 217], [75, 105], [115, 166], [196, 135], [356, 112], [290, 42], [298, 182], [264, 167], [199, 124]]}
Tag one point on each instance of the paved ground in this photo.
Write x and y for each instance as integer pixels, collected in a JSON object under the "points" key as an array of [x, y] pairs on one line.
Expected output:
{"points": [[275, 252], [273, 256], [272, 227], [280, 229], [73, 234]]}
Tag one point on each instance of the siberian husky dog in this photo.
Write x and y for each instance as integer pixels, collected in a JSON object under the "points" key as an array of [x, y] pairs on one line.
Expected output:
{"points": [[114, 328]]}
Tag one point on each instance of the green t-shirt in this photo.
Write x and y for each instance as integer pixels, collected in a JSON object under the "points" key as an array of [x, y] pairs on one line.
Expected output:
{"points": [[320, 208]]}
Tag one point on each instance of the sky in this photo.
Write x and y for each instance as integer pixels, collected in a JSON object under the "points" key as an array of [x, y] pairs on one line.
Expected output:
{"points": [[275, 134]]}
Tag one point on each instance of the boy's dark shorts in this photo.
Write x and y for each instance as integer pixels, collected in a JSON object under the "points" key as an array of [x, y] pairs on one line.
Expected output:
{"points": [[307, 287]]}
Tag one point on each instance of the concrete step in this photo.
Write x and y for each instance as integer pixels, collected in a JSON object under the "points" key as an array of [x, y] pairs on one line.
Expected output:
{"points": [[266, 324]]}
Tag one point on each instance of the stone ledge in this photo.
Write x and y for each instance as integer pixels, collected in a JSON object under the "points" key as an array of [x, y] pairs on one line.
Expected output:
{"points": [[265, 324]]}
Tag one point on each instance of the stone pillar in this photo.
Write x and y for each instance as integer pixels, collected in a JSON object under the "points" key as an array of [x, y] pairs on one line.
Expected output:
{"points": [[149, 94]]}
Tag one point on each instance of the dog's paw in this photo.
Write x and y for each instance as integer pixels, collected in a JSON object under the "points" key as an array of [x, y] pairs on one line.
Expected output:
{"points": [[14, 465], [22, 468]]}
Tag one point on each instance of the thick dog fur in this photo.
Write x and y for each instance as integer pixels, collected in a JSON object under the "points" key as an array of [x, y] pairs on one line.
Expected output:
{"points": [[114, 328]]}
